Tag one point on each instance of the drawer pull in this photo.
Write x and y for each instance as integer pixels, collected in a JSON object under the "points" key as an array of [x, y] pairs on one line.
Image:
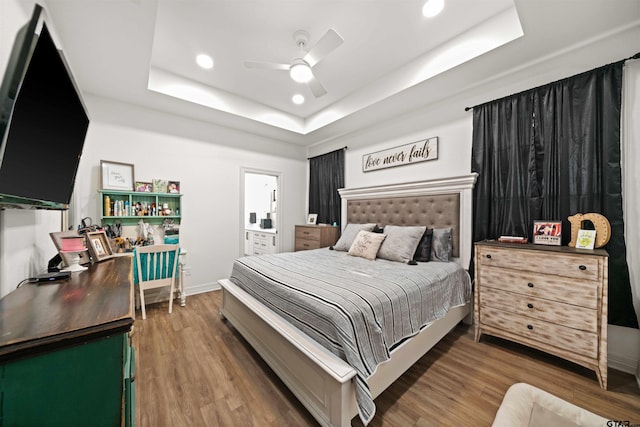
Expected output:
{"points": [[530, 305], [530, 285], [582, 267], [489, 256], [530, 327], [305, 232]]}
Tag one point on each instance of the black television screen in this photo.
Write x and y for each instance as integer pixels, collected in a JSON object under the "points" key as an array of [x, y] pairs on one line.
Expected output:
{"points": [[44, 125]]}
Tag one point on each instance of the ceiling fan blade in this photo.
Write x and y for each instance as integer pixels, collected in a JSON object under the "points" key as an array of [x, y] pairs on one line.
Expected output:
{"points": [[327, 44], [316, 87], [266, 65]]}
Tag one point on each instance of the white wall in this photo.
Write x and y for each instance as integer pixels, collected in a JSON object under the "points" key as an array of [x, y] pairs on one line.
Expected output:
{"points": [[206, 159]]}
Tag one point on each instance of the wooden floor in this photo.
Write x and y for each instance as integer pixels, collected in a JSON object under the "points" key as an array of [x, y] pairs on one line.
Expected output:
{"points": [[193, 369]]}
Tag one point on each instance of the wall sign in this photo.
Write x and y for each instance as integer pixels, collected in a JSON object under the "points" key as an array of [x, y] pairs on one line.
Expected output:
{"points": [[414, 152]]}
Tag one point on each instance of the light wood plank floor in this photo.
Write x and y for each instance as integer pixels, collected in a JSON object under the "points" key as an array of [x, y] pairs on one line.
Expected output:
{"points": [[193, 369]]}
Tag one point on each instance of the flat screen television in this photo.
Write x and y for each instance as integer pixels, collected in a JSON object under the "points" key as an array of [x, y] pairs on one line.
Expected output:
{"points": [[43, 123]]}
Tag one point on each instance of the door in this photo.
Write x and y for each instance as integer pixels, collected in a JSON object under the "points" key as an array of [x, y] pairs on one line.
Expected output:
{"points": [[259, 211]]}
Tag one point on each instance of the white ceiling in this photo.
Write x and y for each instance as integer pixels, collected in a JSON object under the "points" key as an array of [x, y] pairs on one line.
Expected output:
{"points": [[143, 52]]}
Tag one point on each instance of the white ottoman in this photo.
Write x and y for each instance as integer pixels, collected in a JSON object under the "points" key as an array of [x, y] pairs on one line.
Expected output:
{"points": [[524, 405]]}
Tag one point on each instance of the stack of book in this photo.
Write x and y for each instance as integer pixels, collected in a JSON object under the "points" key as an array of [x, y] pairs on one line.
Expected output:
{"points": [[512, 239]]}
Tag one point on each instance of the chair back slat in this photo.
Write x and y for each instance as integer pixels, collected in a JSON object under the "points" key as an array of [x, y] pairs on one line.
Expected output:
{"points": [[155, 262]]}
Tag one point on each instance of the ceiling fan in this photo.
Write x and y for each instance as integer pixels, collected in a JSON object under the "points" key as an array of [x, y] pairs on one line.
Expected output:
{"points": [[300, 67]]}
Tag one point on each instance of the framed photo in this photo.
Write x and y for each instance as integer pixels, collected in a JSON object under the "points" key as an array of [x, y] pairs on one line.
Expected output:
{"points": [[160, 185], [586, 239], [174, 187], [143, 187], [116, 176], [99, 246], [67, 257], [547, 232], [312, 218]]}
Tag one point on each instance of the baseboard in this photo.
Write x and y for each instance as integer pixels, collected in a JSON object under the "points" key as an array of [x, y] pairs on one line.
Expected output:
{"points": [[624, 364], [199, 289]]}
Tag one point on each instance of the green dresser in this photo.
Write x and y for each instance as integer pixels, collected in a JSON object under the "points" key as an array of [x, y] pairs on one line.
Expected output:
{"points": [[65, 350]]}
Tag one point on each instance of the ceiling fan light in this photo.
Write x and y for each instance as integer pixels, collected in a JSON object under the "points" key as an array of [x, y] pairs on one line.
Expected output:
{"points": [[432, 8], [301, 73]]}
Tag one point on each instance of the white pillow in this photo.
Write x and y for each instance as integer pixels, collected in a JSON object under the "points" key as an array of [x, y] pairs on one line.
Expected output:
{"points": [[366, 244], [349, 234], [401, 242]]}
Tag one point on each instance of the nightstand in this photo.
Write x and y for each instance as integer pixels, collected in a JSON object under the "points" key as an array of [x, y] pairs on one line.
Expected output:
{"points": [[315, 236]]}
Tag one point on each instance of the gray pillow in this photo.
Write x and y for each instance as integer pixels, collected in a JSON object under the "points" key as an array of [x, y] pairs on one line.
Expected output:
{"points": [[441, 245], [349, 234], [400, 243]]}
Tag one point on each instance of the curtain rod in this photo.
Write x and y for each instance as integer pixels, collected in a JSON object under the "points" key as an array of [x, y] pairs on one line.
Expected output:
{"points": [[636, 56], [343, 148]]}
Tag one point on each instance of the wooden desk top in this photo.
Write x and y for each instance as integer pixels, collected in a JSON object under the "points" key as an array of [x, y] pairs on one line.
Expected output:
{"points": [[92, 303]]}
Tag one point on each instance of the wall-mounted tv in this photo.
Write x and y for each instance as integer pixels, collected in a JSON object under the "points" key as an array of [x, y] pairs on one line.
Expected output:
{"points": [[43, 123]]}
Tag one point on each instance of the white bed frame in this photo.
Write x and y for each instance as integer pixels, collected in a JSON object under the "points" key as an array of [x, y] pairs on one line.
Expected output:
{"points": [[320, 380]]}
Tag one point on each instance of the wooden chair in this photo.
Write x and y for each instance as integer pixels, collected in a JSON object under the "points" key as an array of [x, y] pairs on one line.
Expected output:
{"points": [[155, 266]]}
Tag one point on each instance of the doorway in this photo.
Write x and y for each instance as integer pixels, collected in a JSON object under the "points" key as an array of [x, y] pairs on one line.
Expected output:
{"points": [[260, 219]]}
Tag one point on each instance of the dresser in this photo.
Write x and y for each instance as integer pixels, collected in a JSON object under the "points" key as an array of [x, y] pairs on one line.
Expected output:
{"points": [[65, 350], [552, 298], [315, 236]]}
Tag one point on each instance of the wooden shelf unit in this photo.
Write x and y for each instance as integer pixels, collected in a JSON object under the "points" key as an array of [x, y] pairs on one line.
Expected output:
{"points": [[172, 200]]}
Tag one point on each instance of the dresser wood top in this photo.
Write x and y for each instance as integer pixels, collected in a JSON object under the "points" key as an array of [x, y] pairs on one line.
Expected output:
{"points": [[544, 248], [96, 301]]}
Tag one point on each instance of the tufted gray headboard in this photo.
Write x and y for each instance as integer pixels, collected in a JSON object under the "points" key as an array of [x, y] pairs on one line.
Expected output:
{"points": [[434, 211]]}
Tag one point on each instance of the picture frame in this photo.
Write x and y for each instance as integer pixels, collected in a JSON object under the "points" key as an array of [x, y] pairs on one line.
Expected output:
{"points": [[311, 219], [547, 232], [67, 257], [116, 176], [99, 246], [143, 187], [160, 185], [586, 239], [173, 187]]}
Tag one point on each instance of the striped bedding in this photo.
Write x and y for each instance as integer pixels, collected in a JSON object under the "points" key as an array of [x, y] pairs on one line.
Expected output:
{"points": [[356, 308]]}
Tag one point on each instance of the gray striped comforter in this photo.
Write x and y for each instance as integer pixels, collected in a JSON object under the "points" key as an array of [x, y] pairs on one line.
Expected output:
{"points": [[356, 308]]}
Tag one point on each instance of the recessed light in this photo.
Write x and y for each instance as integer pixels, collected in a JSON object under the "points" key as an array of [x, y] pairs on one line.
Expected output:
{"points": [[297, 99], [205, 61], [432, 8]]}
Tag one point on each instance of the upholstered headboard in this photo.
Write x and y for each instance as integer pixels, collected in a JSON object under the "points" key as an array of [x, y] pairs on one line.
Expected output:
{"points": [[434, 211], [437, 203]]}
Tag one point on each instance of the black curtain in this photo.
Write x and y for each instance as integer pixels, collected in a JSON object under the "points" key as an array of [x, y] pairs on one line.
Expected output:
{"points": [[549, 153], [326, 175]]}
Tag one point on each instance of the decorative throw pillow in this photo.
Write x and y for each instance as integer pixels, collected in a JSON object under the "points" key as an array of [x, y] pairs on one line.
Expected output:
{"points": [[441, 245], [366, 244], [401, 242], [423, 251], [349, 234]]}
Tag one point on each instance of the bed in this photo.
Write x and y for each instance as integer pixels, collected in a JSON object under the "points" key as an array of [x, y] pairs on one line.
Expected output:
{"points": [[324, 383]]}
